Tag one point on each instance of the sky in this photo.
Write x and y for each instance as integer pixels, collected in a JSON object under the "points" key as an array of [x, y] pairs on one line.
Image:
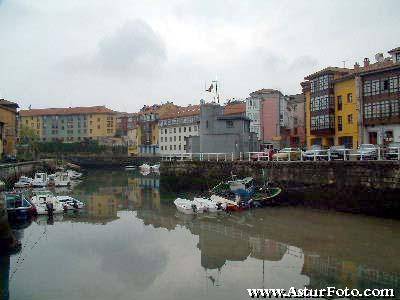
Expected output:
{"points": [[129, 53]]}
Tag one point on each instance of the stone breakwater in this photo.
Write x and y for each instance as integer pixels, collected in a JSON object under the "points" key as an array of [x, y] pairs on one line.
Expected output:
{"points": [[368, 187]]}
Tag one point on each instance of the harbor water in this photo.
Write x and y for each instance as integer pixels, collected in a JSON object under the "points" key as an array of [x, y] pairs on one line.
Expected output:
{"points": [[131, 243]]}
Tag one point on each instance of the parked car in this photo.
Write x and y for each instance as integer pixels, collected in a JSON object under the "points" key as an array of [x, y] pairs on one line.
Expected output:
{"points": [[337, 152], [9, 158], [367, 151], [265, 155], [286, 153], [315, 152], [392, 151]]}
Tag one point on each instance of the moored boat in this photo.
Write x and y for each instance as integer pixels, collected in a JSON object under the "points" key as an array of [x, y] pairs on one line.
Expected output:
{"points": [[189, 207], [62, 179], [70, 203], [23, 182], [44, 200], [210, 206], [145, 167], [40, 180], [18, 205]]}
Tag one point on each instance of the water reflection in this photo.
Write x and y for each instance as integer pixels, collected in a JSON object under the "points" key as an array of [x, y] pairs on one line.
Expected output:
{"points": [[131, 242]]}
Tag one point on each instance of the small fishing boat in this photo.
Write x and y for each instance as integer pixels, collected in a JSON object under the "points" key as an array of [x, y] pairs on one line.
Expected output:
{"points": [[130, 168], [155, 167], [189, 207], [74, 174], [18, 206], [61, 179], [23, 182], [209, 205], [265, 195], [145, 167], [242, 187], [42, 200], [70, 203], [40, 180]]}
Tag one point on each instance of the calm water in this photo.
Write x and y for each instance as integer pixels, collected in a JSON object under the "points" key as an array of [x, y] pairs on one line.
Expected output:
{"points": [[131, 243]]}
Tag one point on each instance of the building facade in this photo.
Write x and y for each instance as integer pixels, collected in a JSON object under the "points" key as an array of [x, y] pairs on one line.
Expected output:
{"points": [[380, 84], [253, 112], [176, 126], [148, 130], [320, 105], [296, 120], [70, 124], [8, 127], [346, 112], [222, 133]]}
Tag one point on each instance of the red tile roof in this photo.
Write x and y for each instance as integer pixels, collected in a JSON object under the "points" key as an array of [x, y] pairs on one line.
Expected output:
{"points": [[235, 108], [66, 111], [187, 111]]}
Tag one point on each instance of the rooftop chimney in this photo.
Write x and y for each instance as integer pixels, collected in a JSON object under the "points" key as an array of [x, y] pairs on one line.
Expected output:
{"points": [[356, 67], [366, 62]]}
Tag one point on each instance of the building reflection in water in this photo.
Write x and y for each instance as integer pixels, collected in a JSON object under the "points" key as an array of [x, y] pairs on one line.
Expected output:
{"points": [[233, 238]]}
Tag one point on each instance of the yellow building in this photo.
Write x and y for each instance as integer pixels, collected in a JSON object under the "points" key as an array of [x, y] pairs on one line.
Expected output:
{"points": [[8, 127], [346, 112], [72, 124], [320, 108]]}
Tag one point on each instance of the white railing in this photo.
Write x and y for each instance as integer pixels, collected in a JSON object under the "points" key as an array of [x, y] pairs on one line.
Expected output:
{"points": [[293, 155], [199, 156]]}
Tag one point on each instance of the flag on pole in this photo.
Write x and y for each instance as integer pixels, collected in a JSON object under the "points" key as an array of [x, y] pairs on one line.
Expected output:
{"points": [[210, 88]]}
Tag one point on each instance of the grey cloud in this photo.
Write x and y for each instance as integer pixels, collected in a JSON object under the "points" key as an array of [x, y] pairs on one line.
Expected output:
{"points": [[134, 46], [134, 49]]}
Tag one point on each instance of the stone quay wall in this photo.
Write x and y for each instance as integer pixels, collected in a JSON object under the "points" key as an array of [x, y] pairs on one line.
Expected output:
{"points": [[368, 187]]}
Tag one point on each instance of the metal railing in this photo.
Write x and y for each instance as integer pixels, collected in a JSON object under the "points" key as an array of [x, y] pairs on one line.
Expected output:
{"points": [[294, 155]]}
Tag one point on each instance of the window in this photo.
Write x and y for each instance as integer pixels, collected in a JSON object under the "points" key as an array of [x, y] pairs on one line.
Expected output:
{"points": [[98, 126], [339, 123], [367, 88], [394, 85], [375, 87], [175, 130], [350, 119], [179, 147], [190, 129], [384, 85], [179, 138], [174, 147], [229, 124], [339, 102], [349, 98], [174, 138], [195, 127]]}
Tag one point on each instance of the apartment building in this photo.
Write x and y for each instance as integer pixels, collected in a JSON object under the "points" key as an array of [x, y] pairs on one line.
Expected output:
{"points": [[148, 130], [176, 126], [72, 124], [296, 134], [380, 98], [321, 106]]}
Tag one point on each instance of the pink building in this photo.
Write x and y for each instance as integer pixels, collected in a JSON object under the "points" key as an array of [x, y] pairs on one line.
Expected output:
{"points": [[269, 116]]}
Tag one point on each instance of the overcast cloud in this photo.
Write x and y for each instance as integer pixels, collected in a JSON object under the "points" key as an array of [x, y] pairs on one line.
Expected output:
{"points": [[126, 53]]}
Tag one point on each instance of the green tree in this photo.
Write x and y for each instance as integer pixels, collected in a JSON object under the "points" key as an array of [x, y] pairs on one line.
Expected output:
{"points": [[28, 140]]}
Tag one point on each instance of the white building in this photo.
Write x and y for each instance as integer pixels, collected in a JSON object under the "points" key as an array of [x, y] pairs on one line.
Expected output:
{"points": [[253, 112], [176, 126]]}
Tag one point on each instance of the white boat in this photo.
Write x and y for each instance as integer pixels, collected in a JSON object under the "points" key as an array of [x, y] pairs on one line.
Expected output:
{"points": [[224, 201], [62, 179], [74, 174], [155, 167], [130, 168], [23, 182], [145, 167], [40, 180], [210, 205], [189, 207], [70, 203], [42, 199]]}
